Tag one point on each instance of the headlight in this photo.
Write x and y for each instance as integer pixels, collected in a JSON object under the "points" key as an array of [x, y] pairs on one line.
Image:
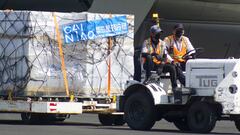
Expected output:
{"points": [[233, 89], [234, 74]]}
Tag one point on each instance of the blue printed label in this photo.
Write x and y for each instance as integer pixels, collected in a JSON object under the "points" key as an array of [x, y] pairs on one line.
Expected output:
{"points": [[95, 29]]}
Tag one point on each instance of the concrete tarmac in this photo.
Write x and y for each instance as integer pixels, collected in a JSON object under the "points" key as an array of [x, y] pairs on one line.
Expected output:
{"points": [[88, 124]]}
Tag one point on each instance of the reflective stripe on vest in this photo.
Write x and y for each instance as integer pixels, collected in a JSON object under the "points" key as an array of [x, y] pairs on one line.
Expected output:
{"points": [[177, 54]]}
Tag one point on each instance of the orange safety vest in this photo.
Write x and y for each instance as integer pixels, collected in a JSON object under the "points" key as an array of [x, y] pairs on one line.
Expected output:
{"points": [[158, 50], [175, 53]]}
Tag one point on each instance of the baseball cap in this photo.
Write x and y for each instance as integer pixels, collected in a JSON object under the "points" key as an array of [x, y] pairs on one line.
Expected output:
{"points": [[178, 26], [155, 29]]}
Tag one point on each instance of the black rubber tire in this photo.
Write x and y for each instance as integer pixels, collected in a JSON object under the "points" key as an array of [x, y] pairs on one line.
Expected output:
{"points": [[237, 124], [53, 117], [181, 124], [60, 117], [38, 118], [119, 120], [29, 118], [139, 111], [106, 119], [201, 117]]}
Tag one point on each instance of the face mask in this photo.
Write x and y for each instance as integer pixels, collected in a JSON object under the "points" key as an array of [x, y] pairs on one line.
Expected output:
{"points": [[179, 33], [157, 36]]}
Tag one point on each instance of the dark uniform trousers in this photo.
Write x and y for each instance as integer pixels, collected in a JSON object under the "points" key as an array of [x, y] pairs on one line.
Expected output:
{"points": [[175, 71]]}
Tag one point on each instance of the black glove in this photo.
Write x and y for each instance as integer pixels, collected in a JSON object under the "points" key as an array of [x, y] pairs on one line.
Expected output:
{"points": [[187, 57], [154, 54], [176, 64], [145, 55], [159, 57], [193, 56]]}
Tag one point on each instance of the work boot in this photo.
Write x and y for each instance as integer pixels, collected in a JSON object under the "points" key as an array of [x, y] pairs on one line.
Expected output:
{"points": [[170, 92], [177, 97], [159, 70], [146, 81], [177, 101]]}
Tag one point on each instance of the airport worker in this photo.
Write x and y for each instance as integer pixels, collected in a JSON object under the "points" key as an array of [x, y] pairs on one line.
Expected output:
{"points": [[155, 57], [179, 46]]}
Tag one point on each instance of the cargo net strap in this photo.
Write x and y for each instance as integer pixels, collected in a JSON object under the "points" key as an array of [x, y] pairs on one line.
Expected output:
{"points": [[30, 64]]}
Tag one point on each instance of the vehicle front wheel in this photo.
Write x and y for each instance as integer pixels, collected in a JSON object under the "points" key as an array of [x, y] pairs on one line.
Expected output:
{"points": [[182, 124], [201, 117], [139, 111], [237, 124]]}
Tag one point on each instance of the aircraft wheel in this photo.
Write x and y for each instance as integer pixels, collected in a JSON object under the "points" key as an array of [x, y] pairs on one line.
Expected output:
{"points": [[139, 111]]}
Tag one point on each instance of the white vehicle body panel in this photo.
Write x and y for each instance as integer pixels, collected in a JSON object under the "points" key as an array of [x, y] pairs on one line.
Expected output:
{"points": [[217, 78], [57, 107], [41, 107]]}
